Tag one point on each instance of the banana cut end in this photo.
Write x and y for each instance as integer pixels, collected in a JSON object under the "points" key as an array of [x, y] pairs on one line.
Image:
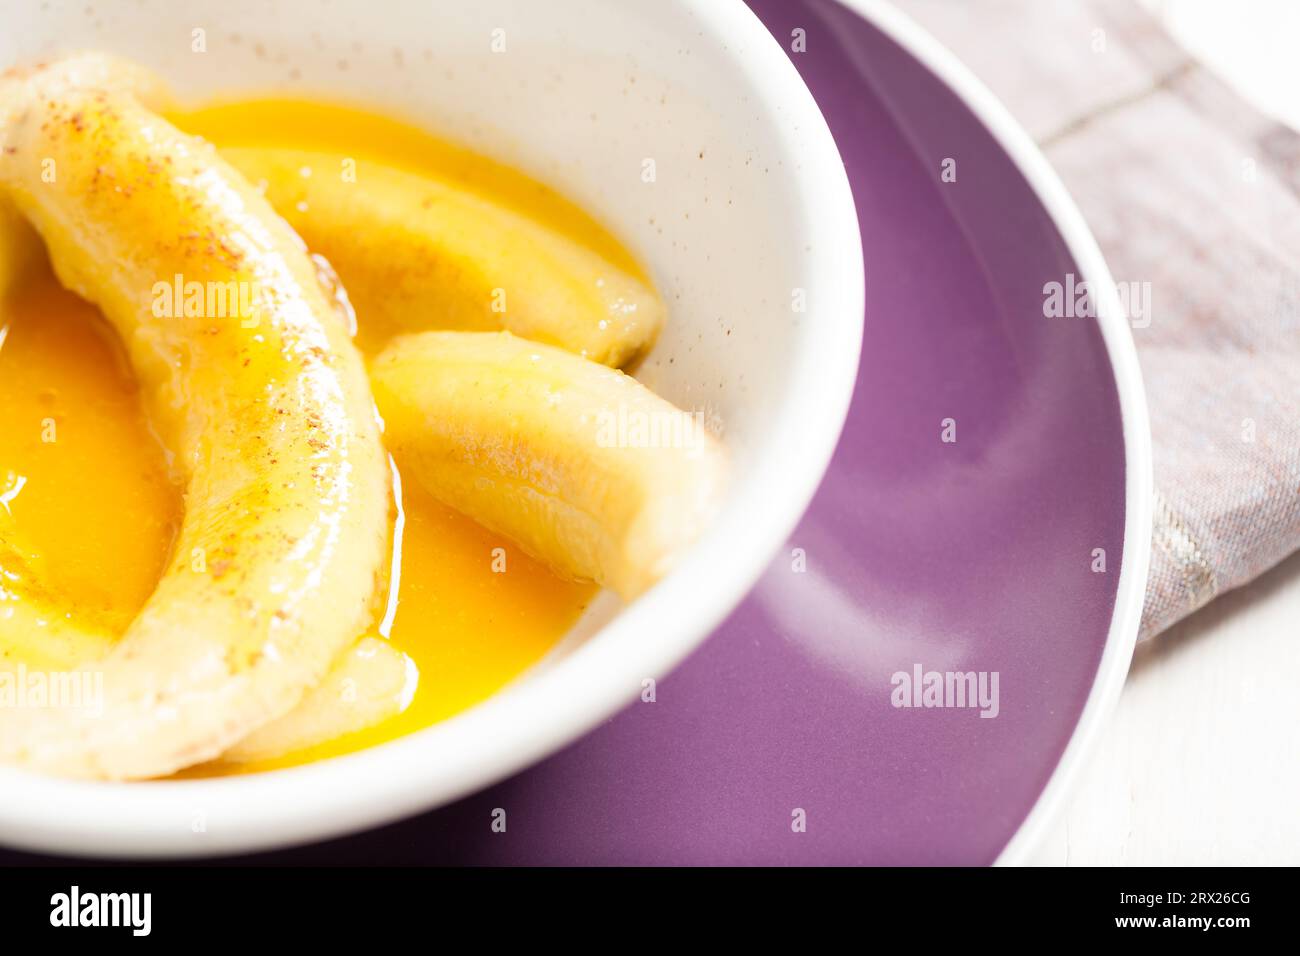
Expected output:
{"points": [[581, 465]]}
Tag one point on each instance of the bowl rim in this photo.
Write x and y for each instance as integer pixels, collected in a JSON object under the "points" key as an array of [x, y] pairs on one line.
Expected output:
{"points": [[1121, 638], [569, 697]]}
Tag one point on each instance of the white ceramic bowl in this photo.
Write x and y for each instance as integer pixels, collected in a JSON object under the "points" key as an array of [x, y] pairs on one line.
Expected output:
{"points": [[750, 203]]}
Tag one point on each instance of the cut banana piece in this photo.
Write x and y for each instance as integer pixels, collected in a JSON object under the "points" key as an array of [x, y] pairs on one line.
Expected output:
{"points": [[42, 638], [263, 404], [369, 683], [89, 70], [581, 465], [416, 254], [19, 244]]}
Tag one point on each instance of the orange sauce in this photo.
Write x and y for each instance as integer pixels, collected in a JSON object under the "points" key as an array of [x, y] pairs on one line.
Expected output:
{"points": [[97, 510], [86, 482]]}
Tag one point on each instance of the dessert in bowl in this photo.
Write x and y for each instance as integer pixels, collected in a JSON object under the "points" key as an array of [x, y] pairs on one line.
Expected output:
{"points": [[270, 573]]}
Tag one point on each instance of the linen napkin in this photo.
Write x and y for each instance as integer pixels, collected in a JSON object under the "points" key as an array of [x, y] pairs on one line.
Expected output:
{"points": [[1194, 198]]}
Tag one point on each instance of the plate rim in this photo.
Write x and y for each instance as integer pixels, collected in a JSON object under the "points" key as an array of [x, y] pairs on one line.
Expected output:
{"points": [[1121, 350]]}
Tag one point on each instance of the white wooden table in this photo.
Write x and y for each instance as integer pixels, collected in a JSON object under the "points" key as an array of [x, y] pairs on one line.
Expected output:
{"points": [[1201, 761]]}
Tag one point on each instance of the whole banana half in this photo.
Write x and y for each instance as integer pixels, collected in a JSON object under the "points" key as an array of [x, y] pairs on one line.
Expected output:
{"points": [[263, 404], [417, 254]]}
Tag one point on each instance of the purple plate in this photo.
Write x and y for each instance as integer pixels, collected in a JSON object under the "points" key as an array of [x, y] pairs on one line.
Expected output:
{"points": [[780, 740]]}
